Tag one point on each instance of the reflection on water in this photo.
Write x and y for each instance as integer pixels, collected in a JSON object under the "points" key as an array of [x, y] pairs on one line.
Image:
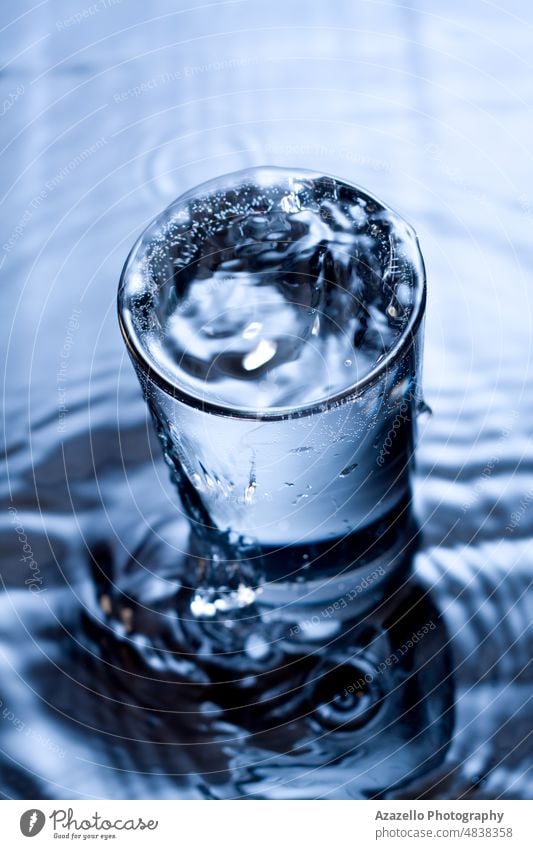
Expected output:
{"points": [[115, 690], [249, 707], [296, 707]]}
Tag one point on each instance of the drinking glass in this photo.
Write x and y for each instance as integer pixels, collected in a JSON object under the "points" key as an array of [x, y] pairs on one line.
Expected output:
{"points": [[274, 318]]}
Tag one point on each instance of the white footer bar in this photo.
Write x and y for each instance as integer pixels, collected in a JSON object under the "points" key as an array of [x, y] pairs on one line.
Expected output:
{"points": [[266, 825]]}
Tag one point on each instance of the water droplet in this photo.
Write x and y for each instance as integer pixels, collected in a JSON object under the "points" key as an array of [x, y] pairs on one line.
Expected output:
{"points": [[105, 604], [422, 409], [345, 472], [126, 614], [291, 203], [301, 497], [256, 647], [249, 492]]}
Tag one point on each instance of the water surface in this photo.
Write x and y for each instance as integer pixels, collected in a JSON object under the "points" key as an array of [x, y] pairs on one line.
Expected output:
{"points": [[428, 114]]}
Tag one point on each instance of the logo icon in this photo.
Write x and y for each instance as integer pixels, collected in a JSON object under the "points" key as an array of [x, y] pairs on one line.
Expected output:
{"points": [[32, 822]]}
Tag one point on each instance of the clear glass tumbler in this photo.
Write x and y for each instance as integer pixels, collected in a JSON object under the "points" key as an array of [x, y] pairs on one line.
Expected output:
{"points": [[274, 318]]}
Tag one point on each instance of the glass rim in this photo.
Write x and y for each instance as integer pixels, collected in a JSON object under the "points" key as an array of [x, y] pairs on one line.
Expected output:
{"points": [[349, 393]]}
